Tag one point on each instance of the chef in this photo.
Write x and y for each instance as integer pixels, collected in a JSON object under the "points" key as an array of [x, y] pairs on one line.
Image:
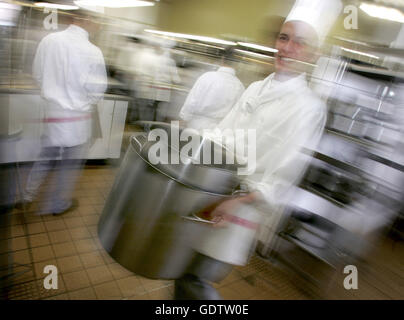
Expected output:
{"points": [[286, 115], [71, 74], [212, 96]]}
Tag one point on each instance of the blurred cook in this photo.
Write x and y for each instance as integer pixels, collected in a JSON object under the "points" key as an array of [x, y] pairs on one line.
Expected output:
{"points": [[212, 96], [286, 115], [71, 73]]}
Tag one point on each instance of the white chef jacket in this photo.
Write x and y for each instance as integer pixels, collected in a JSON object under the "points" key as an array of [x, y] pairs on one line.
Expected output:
{"points": [[211, 98], [286, 116], [165, 76], [71, 73], [154, 75]]}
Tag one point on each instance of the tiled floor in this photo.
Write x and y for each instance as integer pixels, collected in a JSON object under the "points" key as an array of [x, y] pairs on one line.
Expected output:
{"points": [[86, 271]]}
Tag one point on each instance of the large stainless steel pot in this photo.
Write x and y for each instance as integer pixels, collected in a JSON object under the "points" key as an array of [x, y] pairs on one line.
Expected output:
{"points": [[203, 175], [142, 225]]}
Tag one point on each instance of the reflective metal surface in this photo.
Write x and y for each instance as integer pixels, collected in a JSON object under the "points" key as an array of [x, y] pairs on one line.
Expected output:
{"points": [[141, 226]]}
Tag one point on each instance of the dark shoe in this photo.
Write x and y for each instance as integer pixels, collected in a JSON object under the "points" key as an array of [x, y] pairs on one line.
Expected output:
{"points": [[73, 206], [23, 205]]}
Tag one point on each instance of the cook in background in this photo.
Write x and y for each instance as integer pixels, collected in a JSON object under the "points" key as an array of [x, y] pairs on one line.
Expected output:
{"points": [[166, 75], [154, 74], [212, 96], [71, 73], [286, 115]]}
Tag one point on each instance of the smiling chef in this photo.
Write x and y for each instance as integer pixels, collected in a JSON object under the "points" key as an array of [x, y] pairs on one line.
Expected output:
{"points": [[286, 115]]}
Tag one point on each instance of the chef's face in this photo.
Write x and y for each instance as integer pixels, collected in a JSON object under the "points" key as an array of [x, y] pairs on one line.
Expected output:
{"points": [[297, 41]]}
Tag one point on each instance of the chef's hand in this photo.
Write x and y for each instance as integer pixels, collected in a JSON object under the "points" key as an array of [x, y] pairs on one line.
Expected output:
{"points": [[229, 206]]}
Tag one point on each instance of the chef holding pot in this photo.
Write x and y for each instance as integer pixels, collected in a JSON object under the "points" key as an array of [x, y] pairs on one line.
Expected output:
{"points": [[286, 115]]}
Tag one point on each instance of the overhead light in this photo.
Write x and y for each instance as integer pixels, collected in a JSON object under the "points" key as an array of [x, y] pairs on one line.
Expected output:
{"points": [[114, 3], [360, 53], [382, 12], [5, 5], [257, 46], [55, 6], [192, 37]]}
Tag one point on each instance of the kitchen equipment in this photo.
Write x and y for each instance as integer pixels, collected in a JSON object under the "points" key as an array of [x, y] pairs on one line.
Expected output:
{"points": [[196, 170], [141, 225]]}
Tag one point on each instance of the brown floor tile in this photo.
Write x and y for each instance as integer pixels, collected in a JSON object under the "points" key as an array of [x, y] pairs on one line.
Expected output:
{"points": [[19, 243], [63, 296], [99, 274], [244, 289], [69, 264], [42, 253], [55, 225], [139, 297], [16, 218], [37, 227], [130, 286], [5, 233], [228, 294], [59, 236], [32, 217], [85, 245], [79, 233], [150, 285], [99, 208], [93, 231], [17, 231], [22, 274], [92, 259], [76, 280], [98, 244], [48, 293], [64, 249], [86, 210], [83, 294], [39, 240], [6, 245], [85, 201], [91, 220], [161, 294], [107, 258], [50, 217], [74, 222], [118, 271], [108, 291]]}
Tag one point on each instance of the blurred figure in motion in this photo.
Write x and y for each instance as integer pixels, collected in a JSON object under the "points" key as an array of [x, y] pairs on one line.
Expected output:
{"points": [[166, 75], [212, 96], [154, 73], [144, 64], [285, 114], [71, 73]]}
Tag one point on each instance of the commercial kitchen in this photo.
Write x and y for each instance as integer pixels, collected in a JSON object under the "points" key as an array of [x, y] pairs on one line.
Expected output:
{"points": [[112, 221]]}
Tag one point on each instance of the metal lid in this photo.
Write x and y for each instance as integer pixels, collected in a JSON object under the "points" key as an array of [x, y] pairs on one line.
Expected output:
{"points": [[196, 171]]}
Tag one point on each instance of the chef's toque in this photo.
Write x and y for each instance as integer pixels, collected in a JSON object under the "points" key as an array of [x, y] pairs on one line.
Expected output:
{"points": [[320, 14]]}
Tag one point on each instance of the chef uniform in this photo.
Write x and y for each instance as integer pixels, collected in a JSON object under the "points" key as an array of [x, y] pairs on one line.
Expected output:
{"points": [[166, 74], [211, 98], [72, 76], [286, 115]]}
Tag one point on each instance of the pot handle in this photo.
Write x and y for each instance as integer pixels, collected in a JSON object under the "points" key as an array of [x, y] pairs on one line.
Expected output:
{"points": [[239, 193], [197, 219], [138, 135]]}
